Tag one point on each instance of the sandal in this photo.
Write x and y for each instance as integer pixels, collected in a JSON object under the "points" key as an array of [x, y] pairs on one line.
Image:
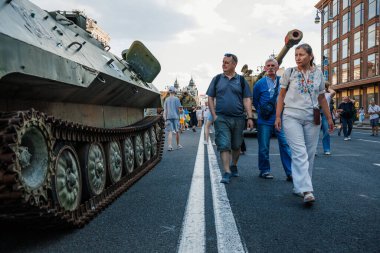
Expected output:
{"points": [[308, 198]]}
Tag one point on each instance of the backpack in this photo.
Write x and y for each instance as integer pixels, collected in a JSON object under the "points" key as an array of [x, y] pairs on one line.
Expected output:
{"points": [[242, 83]]}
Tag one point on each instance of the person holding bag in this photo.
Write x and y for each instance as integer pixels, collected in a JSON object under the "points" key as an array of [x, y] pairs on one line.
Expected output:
{"points": [[265, 93], [302, 92]]}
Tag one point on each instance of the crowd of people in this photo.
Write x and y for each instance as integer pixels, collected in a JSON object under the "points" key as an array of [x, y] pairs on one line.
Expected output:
{"points": [[295, 108]]}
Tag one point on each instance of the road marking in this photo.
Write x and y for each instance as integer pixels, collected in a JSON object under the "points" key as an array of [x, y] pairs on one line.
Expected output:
{"points": [[193, 235], [228, 238], [376, 164], [368, 140]]}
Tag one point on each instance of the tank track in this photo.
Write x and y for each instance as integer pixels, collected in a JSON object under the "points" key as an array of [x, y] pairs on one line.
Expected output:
{"points": [[37, 207]]}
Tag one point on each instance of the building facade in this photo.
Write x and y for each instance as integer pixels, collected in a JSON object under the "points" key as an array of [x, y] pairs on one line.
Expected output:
{"points": [[350, 48]]}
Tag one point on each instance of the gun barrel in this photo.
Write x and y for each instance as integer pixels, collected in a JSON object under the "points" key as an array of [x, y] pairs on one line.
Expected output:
{"points": [[292, 38]]}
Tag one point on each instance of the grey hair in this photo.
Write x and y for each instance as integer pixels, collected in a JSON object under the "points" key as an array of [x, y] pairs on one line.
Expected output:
{"points": [[271, 60]]}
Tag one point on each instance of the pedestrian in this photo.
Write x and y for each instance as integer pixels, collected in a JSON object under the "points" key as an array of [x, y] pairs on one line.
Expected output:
{"points": [[199, 113], [232, 94], [181, 119], [374, 112], [193, 118], [329, 94], [265, 93], [346, 109], [302, 92], [361, 115], [171, 117], [209, 129]]}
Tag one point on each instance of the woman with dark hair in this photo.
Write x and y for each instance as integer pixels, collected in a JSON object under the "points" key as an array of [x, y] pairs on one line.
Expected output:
{"points": [[302, 92]]}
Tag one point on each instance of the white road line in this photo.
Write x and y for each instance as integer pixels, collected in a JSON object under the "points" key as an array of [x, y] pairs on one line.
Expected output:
{"points": [[368, 140], [228, 238], [193, 235], [376, 164]]}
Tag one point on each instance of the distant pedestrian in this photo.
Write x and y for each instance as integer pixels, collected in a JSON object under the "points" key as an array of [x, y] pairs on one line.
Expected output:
{"points": [[361, 115], [193, 118], [171, 117], [302, 92], [199, 113], [347, 111], [329, 94], [232, 95], [374, 112], [265, 93], [209, 129]]}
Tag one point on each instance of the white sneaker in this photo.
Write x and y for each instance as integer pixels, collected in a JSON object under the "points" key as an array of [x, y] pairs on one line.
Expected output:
{"points": [[328, 153], [346, 139], [170, 148], [213, 143], [179, 146], [349, 137], [205, 142]]}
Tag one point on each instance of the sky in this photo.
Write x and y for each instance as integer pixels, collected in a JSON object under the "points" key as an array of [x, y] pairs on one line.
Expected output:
{"points": [[190, 37]]}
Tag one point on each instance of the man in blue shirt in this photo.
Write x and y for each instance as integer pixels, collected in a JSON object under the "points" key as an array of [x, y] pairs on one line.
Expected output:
{"points": [[171, 117], [264, 91], [232, 95]]}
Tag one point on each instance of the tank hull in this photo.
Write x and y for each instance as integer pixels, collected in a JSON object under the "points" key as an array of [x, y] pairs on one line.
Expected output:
{"points": [[73, 135]]}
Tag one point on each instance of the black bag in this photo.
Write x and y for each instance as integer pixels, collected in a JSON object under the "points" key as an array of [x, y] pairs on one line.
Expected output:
{"points": [[269, 108]]}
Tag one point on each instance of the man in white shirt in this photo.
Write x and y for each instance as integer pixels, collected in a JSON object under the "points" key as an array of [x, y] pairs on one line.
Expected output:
{"points": [[374, 111]]}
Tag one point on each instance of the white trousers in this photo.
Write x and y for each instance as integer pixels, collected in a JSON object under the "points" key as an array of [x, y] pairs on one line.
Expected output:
{"points": [[302, 137]]}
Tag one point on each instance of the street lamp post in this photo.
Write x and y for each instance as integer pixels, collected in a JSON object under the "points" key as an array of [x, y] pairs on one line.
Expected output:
{"points": [[324, 60]]}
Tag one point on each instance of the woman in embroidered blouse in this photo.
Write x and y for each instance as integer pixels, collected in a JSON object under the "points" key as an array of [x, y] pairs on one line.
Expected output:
{"points": [[296, 103]]}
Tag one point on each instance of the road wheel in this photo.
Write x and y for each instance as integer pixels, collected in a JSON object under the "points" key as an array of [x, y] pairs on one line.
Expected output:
{"points": [[94, 167], [114, 161], [147, 146], [154, 141], [67, 182], [139, 150], [129, 155]]}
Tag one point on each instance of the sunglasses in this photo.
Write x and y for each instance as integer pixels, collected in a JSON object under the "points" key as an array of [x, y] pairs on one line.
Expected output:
{"points": [[231, 55]]}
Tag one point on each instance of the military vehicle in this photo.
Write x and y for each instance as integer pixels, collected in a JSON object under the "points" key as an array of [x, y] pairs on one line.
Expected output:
{"points": [[73, 135], [292, 38]]}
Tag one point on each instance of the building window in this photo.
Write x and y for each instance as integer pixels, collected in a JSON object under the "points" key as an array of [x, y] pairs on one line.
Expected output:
{"points": [[372, 8], [345, 4], [335, 8], [357, 42], [372, 36], [373, 65], [334, 76], [344, 71], [335, 32], [326, 14], [326, 35], [357, 69], [345, 48], [346, 23], [358, 15], [334, 52]]}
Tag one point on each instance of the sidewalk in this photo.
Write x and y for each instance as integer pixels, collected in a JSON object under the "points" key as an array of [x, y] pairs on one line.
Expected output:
{"points": [[362, 125]]}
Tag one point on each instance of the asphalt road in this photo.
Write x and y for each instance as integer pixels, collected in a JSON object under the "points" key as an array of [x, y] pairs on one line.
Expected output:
{"points": [[150, 216]]}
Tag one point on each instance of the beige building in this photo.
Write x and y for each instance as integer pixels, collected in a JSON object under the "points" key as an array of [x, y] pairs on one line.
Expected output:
{"points": [[350, 47]]}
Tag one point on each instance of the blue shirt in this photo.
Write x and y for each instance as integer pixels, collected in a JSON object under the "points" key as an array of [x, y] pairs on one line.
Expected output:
{"points": [[263, 91], [171, 107], [229, 95]]}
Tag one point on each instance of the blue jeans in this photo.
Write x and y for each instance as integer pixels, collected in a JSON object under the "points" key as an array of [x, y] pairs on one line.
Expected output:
{"points": [[264, 133], [346, 123], [326, 134]]}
